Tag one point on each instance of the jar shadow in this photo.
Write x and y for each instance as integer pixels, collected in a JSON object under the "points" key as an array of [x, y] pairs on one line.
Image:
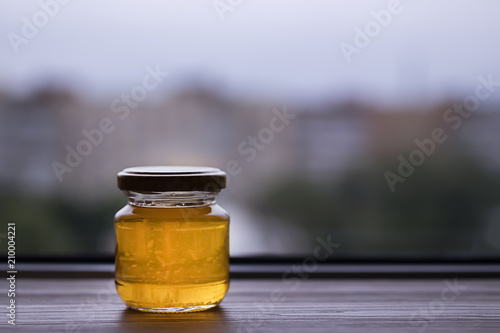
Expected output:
{"points": [[213, 320]]}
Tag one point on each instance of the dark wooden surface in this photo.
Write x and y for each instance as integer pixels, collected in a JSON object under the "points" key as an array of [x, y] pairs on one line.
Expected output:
{"points": [[361, 305]]}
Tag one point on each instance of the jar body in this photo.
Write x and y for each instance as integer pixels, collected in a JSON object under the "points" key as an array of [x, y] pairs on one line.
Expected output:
{"points": [[172, 258]]}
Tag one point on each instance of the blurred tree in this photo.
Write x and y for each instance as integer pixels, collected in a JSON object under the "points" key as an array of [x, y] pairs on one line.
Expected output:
{"points": [[439, 211], [58, 226]]}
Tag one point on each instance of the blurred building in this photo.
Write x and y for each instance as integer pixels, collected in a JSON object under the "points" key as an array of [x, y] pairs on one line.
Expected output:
{"points": [[197, 126]]}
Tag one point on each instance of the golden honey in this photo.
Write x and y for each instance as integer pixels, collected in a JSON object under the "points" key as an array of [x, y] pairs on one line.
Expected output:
{"points": [[172, 252]]}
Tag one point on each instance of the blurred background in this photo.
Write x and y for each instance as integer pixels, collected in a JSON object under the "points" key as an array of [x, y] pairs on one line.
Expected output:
{"points": [[361, 81]]}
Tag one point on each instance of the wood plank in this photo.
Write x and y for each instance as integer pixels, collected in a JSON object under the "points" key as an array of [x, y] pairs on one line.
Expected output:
{"points": [[371, 305]]}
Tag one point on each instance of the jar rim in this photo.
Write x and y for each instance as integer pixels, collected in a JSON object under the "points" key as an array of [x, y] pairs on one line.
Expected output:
{"points": [[171, 178]]}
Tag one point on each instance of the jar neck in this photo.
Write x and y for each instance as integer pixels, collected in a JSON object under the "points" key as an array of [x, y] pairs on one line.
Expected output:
{"points": [[171, 199]]}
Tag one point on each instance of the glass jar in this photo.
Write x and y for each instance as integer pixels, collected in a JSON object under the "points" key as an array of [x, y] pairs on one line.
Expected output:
{"points": [[172, 239]]}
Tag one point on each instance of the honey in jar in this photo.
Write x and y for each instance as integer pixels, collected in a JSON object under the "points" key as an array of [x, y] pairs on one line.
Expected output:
{"points": [[172, 252]]}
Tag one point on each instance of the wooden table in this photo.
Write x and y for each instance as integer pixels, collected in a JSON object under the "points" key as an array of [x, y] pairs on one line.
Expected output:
{"points": [[264, 305]]}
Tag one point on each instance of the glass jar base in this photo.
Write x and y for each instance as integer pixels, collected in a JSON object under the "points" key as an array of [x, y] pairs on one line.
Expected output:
{"points": [[176, 309], [171, 297]]}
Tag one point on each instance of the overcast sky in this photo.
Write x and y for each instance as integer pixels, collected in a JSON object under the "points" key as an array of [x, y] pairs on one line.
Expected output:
{"points": [[271, 48]]}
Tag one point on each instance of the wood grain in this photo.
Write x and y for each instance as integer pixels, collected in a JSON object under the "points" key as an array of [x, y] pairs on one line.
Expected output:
{"points": [[92, 305]]}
